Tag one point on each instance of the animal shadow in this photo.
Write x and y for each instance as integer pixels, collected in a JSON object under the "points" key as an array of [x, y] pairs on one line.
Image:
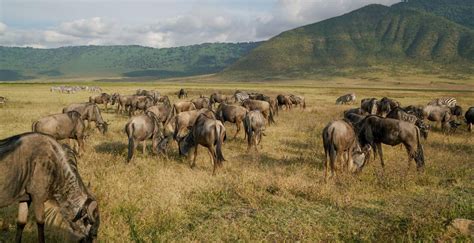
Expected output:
{"points": [[115, 148]]}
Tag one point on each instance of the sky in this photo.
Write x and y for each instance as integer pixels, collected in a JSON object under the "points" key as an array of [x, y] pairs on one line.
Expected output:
{"points": [[159, 23]]}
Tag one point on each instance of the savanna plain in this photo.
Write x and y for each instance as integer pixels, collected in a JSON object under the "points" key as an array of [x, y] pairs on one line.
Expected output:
{"points": [[277, 194]]}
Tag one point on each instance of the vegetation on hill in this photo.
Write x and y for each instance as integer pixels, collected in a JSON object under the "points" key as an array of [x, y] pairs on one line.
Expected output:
{"points": [[117, 60]]}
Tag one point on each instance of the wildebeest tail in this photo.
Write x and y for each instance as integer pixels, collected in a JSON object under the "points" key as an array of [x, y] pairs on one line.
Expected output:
{"points": [[248, 129], [129, 130], [271, 116], [304, 104], [33, 126], [420, 157], [219, 137]]}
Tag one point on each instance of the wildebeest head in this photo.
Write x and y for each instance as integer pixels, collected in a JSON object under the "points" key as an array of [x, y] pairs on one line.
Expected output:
{"points": [[456, 110], [85, 224], [360, 158], [186, 144], [103, 127]]}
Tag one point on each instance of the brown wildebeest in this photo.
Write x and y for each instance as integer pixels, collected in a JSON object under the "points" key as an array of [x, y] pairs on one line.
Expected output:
{"points": [[209, 133], [182, 94], [181, 106], [298, 100], [103, 98], [140, 103], [375, 130], [154, 95], [284, 100], [340, 142], [202, 102], [346, 99], [440, 114], [254, 124], [35, 168], [262, 106], [369, 105], [141, 128], [469, 118], [354, 118], [273, 102], [357, 111], [61, 126], [123, 102], [186, 119], [231, 113], [91, 113], [162, 111], [399, 114], [219, 98]]}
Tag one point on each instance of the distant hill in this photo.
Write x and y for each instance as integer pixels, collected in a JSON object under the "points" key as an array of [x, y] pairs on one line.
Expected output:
{"points": [[372, 35], [131, 61]]}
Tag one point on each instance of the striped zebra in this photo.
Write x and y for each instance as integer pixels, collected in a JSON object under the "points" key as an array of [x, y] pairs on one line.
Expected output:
{"points": [[346, 99], [447, 101]]}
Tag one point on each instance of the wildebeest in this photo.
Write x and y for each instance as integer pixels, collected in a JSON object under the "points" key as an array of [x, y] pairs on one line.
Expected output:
{"points": [[469, 118], [440, 114], [340, 142], [122, 102], [273, 102], [231, 113], [298, 100], [103, 98], [369, 105], [447, 101], [240, 96], [35, 168], [375, 130], [3, 100], [162, 111], [254, 124], [354, 118], [89, 112], [182, 93], [399, 114], [456, 111], [284, 100], [262, 106], [346, 99], [139, 103], [357, 111], [154, 95], [181, 106], [415, 110], [219, 98], [209, 133], [202, 102], [63, 126], [385, 105], [141, 128], [186, 119]]}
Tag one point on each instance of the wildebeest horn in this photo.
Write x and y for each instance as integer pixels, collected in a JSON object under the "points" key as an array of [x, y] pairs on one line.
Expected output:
{"points": [[90, 210]]}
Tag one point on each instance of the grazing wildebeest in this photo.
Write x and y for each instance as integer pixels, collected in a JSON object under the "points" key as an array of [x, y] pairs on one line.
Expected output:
{"points": [[346, 99], [103, 98], [415, 110], [202, 102], [400, 114], [139, 103], [469, 118], [298, 100], [63, 126], [375, 130], [91, 113], [35, 168], [456, 111], [341, 143], [262, 106], [3, 100], [181, 106], [447, 101], [219, 98], [231, 113], [369, 105], [440, 114], [186, 119], [182, 93], [141, 128], [209, 133], [254, 124]]}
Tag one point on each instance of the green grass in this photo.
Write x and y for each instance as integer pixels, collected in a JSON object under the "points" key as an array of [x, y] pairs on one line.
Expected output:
{"points": [[276, 195]]}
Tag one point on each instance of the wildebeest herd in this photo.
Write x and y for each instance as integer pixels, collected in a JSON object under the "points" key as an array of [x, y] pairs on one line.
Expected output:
{"points": [[36, 168]]}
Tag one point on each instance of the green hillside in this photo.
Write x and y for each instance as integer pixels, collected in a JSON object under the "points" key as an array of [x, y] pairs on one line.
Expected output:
{"points": [[372, 35], [133, 61]]}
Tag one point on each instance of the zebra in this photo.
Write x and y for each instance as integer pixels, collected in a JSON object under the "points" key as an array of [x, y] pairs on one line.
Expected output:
{"points": [[447, 101], [346, 99]]}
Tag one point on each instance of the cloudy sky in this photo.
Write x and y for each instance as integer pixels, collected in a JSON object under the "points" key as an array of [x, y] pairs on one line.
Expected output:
{"points": [[158, 23]]}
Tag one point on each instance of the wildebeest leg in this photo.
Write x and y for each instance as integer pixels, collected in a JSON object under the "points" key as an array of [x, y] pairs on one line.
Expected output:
{"points": [[214, 159], [38, 207], [144, 147], [80, 144], [238, 124], [22, 219], [379, 150], [470, 127], [193, 163]]}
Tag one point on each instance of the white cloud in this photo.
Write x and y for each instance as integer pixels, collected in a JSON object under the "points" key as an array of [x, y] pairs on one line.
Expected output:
{"points": [[3, 27], [92, 27]]}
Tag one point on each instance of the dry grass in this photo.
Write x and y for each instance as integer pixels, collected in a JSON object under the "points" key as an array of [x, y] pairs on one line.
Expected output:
{"points": [[276, 195]]}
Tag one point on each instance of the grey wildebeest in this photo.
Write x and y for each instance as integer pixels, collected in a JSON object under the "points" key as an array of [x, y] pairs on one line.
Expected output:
{"points": [[141, 128], [346, 99], [273, 102], [254, 124], [399, 114], [283, 100], [298, 100], [103, 98], [155, 95], [469, 118], [162, 111], [201, 102], [91, 113], [341, 143], [262, 106], [139, 103], [186, 119], [357, 111], [209, 133], [440, 114], [369, 105], [375, 130], [35, 168], [182, 94], [68, 125], [240, 96], [385, 105], [447, 101], [415, 110], [354, 118], [219, 98], [181, 106], [231, 113], [123, 101], [3, 100]]}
